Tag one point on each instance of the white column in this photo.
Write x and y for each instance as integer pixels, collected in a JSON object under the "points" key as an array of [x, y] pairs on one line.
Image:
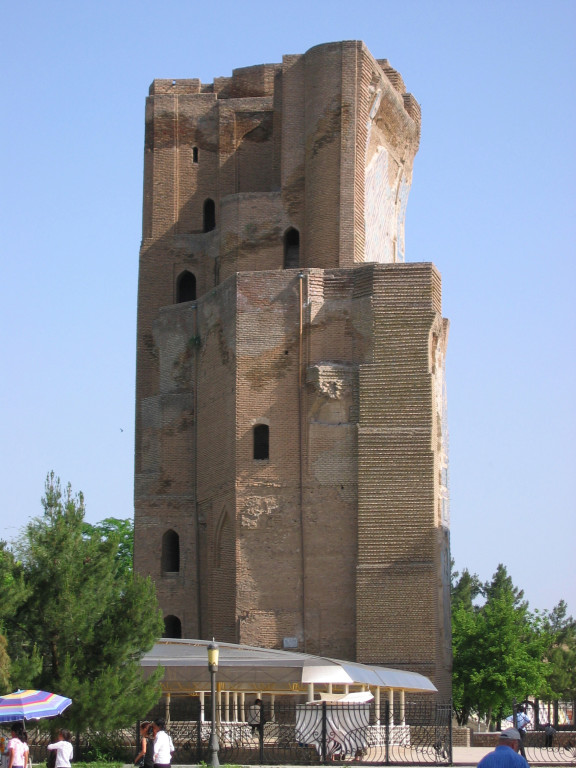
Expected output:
{"points": [[310, 691], [403, 707], [272, 702], [201, 695], [167, 715], [242, 707], [219, 705], [329, 687], [377, 705], [391, 703], [235, 706], [227, 706]]}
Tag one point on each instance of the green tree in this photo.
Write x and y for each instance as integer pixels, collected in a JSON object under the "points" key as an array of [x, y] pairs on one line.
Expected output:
{"points": [[498, 647], [466, 588], [560, 629], [465, 630], [86, 618], [120, 531]]}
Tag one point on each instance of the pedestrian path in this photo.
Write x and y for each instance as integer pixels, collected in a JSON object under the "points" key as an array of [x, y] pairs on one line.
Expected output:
{"points": [[463, 757]]}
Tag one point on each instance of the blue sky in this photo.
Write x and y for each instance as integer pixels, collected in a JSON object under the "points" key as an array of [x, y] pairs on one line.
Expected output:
{"points": [[492, 205]]}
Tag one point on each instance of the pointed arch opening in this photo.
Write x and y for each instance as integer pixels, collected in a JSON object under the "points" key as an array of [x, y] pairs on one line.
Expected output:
{"points": [[261, 442], [170, 552], [291, 249], [209, 215], [186, 287], [172, 627]]}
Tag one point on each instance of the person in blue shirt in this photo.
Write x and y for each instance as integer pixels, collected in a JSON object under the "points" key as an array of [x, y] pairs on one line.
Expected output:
{"points": [[506, 753]]}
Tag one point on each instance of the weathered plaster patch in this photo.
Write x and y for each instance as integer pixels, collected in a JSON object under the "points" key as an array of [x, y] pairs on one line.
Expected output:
{"points": [[257, 507]]}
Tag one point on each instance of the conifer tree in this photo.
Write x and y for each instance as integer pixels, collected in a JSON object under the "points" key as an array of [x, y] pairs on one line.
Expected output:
{"points": [[86, 619], [13, 592], [560, 629]]}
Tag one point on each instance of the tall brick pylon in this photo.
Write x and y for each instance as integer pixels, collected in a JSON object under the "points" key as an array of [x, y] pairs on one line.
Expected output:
{"points": [[291, 446]]}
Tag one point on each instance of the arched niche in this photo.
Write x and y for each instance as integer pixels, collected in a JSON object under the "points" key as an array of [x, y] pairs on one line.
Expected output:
{"points": [[172, 627], [291, 249], [186, 287], [209, 215], [170, 552]]}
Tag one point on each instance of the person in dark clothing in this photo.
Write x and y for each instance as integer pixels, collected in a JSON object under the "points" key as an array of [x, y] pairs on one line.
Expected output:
{"points": [[146, 755], [549, 732]]}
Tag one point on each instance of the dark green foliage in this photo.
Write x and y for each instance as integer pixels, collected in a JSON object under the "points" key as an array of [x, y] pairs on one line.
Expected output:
{"points": [[13, 592], [502, 586], [465, 589], [86, 620], [560, 630]]}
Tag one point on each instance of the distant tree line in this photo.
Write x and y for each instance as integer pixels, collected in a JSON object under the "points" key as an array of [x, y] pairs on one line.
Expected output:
{"points": [[502, 651], [74, 618]]}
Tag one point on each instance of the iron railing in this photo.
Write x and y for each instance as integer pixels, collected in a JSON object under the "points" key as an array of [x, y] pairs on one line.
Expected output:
{"points": [[324, 732]]}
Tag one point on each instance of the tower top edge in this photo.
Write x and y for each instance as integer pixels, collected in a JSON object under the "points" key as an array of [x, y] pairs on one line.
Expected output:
{"points": [[264, 74]]}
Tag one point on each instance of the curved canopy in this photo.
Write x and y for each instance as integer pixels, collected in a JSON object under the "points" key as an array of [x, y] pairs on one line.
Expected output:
{"points": [[245, 667]]}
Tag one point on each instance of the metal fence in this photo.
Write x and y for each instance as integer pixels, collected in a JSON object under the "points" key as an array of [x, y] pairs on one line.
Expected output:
{"points": [[560, 750], [542, 742], [118, 745], [324, 732]]}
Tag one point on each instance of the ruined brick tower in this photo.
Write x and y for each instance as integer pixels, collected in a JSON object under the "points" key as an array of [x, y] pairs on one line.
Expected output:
{"points": [[290, 442]]}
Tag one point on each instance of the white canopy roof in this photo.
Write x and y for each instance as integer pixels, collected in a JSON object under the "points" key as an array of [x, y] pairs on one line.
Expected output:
{"points": [[244, 667]]}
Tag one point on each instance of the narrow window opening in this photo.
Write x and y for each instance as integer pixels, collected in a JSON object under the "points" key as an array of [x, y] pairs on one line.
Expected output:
{"points": [[261, 442], [194, 154], [291, 249], [186, 287], [209, 215], [172, 627], [170, 552]]}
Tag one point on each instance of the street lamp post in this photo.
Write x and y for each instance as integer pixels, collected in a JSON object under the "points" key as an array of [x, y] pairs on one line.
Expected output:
{"points": [[213, 651]]}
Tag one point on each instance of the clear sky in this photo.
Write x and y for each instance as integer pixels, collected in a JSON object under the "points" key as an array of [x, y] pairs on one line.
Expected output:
{"points": [[492, 205]]}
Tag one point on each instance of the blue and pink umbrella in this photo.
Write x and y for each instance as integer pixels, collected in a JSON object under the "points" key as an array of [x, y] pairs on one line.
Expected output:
{"points": [[31, 705]]}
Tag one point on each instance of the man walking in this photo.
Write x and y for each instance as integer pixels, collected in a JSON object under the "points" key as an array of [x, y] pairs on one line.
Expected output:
{"points": [[521, 721]]}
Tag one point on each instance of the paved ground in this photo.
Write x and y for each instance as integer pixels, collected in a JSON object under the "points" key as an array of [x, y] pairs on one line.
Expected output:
{"points": [[464, 757], [469, 755]]}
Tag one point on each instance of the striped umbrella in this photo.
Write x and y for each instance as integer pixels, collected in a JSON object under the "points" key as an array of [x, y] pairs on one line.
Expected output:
{"points": [[31, 705]]}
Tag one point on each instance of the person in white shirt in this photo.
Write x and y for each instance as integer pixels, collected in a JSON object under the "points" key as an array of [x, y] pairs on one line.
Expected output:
{"points": [[63, 747], [17, 748], [163, 746]]}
